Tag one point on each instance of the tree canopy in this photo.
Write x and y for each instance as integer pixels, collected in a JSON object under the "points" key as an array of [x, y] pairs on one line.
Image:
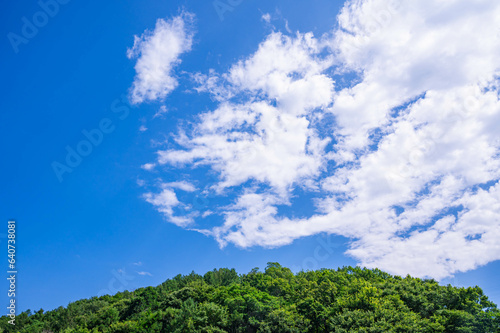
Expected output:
{"points": [[349, 299]]}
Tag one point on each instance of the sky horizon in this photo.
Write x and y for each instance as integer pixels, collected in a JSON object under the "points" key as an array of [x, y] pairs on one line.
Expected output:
{"points": [[145, 140]]}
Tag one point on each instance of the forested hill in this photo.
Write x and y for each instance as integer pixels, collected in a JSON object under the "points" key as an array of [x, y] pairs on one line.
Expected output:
{"points": [[344, 300]]}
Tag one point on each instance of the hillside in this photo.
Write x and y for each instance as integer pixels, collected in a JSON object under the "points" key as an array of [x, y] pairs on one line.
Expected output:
{"points": [[344, 300]]}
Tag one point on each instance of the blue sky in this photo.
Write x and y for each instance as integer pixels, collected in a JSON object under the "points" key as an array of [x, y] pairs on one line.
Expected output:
{"points": [[315, 134]]}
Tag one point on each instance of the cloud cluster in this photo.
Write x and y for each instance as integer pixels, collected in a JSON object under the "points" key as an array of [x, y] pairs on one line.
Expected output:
{"points": [[272, 126], [404, 159]]}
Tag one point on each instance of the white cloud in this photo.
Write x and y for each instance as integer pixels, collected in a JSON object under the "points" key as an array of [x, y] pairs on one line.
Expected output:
{"points": [[447, 142], [166, 202], [182, 185], [406, 48], [282, 137], [161, 112], [144, 273], [396, 161], [148, 166], [157, 53]]}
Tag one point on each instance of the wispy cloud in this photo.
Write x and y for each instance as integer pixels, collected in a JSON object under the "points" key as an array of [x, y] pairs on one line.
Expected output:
{"points": [[161, 112]]}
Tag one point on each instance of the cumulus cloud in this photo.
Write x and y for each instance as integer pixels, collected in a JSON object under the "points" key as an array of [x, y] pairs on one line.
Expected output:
{"points": [[157, 53], [404, 159]]}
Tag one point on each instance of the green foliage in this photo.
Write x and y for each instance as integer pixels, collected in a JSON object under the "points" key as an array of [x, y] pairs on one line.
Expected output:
{"points": [[350, 299]]}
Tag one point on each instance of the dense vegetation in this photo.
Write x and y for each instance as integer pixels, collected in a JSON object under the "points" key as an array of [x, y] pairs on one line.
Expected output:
{"points": [[344, 300]]}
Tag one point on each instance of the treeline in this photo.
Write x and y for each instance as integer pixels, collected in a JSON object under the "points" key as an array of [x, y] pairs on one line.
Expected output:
{"points": [[276, 300]]}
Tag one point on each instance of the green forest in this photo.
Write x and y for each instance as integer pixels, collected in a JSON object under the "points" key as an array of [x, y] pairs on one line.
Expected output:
{"points": [[349, 299]]}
